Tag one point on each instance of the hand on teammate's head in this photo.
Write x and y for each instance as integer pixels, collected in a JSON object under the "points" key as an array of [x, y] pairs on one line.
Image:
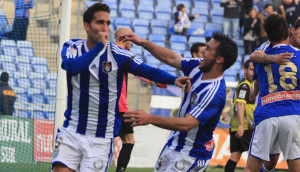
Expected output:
{"points": [[131, 37]]}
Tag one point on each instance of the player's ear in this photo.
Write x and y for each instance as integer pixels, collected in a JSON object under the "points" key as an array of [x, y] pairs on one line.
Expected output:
{"points": [[194, 54], [220, 59], [86, 26]]}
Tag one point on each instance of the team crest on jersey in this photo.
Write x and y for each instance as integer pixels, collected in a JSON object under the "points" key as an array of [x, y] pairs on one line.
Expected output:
{"points": [[242, 94], [106, 67], [71, 52], [193, 99], [210, 145]]}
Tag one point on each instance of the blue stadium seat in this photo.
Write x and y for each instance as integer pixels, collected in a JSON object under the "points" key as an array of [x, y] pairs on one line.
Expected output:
{"points": [[201, 12], [9, 67], [187, 54], [196, 28], [178, 52], [145, 11], [24, 114], [186, 3], [217, 12], [166, 3], [18, 75], [4, 25], [36, 96], [178, 42], [168, 69], [211, 28], [50, 115], [26, 51], [122, 22], [240, 43], [23, 64], [144, 36], [12, 81], [146, 2], [237, 66], [194, 39], [137, 51], [51, 79], [241, 74], [215, 1], [23, 82], [159, 27], [217, 19], [9, 51], [128, 2], [40, 68], [140, 26], [201, 19], [241, 50], [39, 60], [158, 39], [50, 96], [113, 8], [110, 1], [37, 114], [152, 61], [216, 5], [201, 4], [127, 10], [230, 78], [163, 12]]}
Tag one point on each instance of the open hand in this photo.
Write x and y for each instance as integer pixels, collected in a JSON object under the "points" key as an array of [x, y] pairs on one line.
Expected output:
{"points": [[282, 58]]}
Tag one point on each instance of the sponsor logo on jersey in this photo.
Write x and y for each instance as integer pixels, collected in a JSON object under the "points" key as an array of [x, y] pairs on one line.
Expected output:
{"points": [[107, 67], [71, 52], [210, 145], [242, 94], [279, 96]]}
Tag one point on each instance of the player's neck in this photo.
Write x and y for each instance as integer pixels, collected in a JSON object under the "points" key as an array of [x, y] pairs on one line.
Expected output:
{"points": [[212, 74], [90, 44], [286, 42]]}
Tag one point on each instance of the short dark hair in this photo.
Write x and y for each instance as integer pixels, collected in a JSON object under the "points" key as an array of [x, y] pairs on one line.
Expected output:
{"points": [[179, 7], [247, 63], [227, 49], [276, 28], [88, 15], [297, 24], [267, 6], [195, 47], [4, 77]]}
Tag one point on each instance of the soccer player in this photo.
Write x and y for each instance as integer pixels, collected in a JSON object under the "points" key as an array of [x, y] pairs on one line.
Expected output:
{"points": [[95, 70], [242, 122], [277, 114], [259, 56], [196, 49], [190, 145]]}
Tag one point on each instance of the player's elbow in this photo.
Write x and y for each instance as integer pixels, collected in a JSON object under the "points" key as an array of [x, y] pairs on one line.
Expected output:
{"points": [[185, 128]]}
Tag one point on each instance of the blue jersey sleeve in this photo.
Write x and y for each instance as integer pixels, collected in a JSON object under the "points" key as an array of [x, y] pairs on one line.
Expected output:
{"points": [[187, 65], [74, 64], [210, 104]]}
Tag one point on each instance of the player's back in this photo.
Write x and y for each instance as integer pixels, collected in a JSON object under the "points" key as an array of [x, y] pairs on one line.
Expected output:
{"points": [[279, 86]]}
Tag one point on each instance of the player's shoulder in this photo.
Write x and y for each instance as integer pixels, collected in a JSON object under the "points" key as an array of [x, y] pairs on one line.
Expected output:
{"points": [[264, 46], [120, 51]]}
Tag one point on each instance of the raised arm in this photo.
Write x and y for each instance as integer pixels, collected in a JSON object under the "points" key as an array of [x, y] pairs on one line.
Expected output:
{"points": [[259, 56], [140, 117], [163, 54]]}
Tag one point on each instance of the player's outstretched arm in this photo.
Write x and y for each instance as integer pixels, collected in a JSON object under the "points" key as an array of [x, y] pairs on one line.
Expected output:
{"points": [[259, 56], [140, 117], [163, 54]]}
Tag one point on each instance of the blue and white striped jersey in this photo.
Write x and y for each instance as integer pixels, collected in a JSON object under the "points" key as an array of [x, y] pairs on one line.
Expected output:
{"points": [[93, 94], [205, 102]]}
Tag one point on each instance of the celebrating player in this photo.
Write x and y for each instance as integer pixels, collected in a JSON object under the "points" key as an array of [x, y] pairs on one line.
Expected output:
{"points": [[190, 145], [95, 70], [277, 114]]}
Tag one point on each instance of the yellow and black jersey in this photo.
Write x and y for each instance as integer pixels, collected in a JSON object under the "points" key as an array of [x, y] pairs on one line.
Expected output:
{"points": [[242, 94]]}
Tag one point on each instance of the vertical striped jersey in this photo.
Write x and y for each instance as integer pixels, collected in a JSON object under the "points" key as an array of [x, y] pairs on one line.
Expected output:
{"points": [[279, 84], [205, 102], [93, 94]]}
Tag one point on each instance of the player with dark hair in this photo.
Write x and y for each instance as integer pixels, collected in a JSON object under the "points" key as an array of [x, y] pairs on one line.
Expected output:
{"points": [[190, 144], [242, 123], [277, 114], [196, 49], [260, 57], [95, 70]]}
